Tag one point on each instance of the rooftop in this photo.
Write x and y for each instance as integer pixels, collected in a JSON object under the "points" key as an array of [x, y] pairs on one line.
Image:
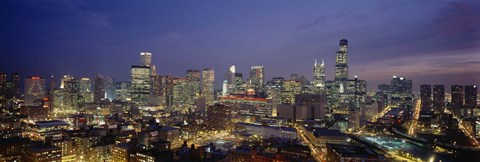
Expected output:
{"points": [[350, 150], [51, 123]]}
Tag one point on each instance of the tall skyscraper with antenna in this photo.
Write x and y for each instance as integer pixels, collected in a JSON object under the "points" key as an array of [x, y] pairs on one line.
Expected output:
{"points": [[341, 62]]}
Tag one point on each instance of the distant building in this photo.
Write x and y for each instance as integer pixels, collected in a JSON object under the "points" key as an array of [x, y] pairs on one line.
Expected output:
{"points": [[438, 97], [266, 132], [470, 99], [402, 93], [34, 90], [321, 136], [208, 78], [122, 91], [11, 148], [140, 84], [121, 152], [426, 97], [42, 153], [104, 88], [307, 106], [218, 117], [458, 97], [257, 79], [46, 130], [68, 150], [351, 152], [146, 59], [319, 75], [9, 90], [341, 62]]}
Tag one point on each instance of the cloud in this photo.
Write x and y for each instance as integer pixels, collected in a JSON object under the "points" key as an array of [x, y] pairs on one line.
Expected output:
{"points": [[456, 62], [458, 18]]}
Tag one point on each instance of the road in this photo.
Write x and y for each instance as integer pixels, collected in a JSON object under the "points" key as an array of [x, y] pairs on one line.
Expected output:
{"points": [[317, 153], [475, 142], [416, 116]]}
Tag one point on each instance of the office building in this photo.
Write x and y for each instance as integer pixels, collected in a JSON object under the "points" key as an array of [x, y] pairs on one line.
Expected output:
{"points": [[34, 90], [104, 88], [193, 79], [319, 75], [140, 84], [208, 78], [256, 79], [146, 59], [122, 91], [401, 91], [341, 62]]}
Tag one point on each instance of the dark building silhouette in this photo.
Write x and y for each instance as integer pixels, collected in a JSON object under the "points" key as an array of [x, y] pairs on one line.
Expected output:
{"points": [[426, 96], [457, 99], [438, 97]]}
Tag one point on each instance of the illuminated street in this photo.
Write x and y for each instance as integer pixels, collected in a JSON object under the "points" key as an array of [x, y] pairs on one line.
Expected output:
{"points": [[317, 153]]}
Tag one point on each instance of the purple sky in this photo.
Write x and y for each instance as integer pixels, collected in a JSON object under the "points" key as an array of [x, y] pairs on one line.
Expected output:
{"points": [[431, 41]]}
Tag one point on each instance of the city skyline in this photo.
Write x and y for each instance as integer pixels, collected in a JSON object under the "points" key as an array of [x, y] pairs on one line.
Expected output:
{"points": [[441, 56], [238, 81]]}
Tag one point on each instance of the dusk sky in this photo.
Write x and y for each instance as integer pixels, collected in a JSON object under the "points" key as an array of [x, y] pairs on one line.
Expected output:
{"points": [[431, 41]]}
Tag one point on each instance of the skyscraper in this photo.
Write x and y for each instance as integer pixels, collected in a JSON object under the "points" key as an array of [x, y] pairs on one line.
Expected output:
{"points": [[257, 77], [208, 78], [104, 87], [341, 62], [470, 99], [34, 90], [426, 97], [182, 92], [64, 79], [193, 79], [457, 99], [15, 85], [140, 84], [146, 58], [319, 75], [84, 89], [230, 76], [401, 89], [438, 97], [3, 90]]}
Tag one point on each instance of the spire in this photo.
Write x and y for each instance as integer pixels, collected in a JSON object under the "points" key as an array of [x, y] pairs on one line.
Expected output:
{"points": [[323, 62], [315, 62]]}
